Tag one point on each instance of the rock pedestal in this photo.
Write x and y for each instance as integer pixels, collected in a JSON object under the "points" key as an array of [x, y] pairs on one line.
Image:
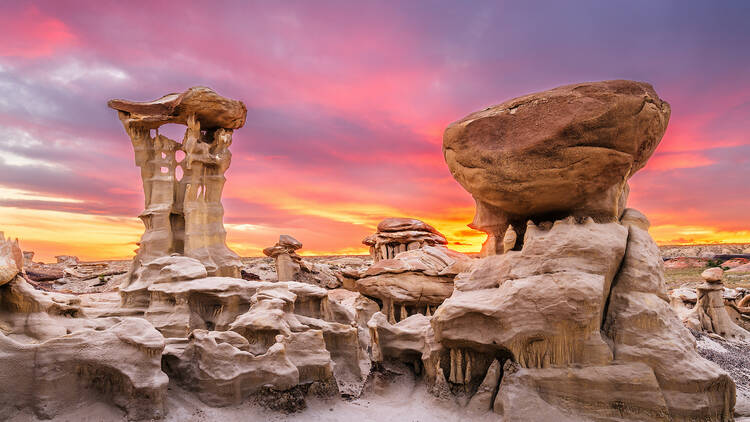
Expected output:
{"points": [[183, 215], [571, 303], [287, 260], [396, 235], [710, 311]]}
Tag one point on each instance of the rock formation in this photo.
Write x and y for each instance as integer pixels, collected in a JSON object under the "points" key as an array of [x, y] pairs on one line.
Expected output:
{"points": [[572, 304], [54, 357], [544, 156], [416, 281], [710, 313], [184, 215], [396, 235], [286, 259], [566, 317]]}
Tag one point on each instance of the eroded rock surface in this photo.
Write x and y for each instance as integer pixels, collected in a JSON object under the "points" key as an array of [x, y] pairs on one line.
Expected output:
{"points": [[396, 235], [183, 215], [414, 281]]}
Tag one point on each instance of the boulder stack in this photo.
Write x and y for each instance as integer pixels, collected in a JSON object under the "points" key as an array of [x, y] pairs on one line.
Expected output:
{"points": [[396, 235]]}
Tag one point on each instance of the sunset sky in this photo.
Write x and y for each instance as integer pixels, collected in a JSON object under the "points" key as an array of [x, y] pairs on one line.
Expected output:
{"points": [[347, 102]]}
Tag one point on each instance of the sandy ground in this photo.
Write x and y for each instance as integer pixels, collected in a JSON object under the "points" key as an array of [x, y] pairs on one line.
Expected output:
{"points": [[403, 398]]}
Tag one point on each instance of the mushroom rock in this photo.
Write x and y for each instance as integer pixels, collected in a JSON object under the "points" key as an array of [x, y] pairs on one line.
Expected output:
{"points": [[286, 259], [415, 281], [566, 151], [184, 215], [396, 235], [572, 304], [710, 312]]}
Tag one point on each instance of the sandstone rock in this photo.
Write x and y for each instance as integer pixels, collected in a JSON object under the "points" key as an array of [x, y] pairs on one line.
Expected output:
{"points": [[67, 259], [595, 393], [184, 216], [28, 257], [287, 260], [211, 109], [735, 262], [543, 304], [11, 259], [744, 268], [404, 341], [483, 399], [713, 275], [415, 281], [122, 362], [397, 235], [569, 150], [644, 329], [220, 368], [683, 262]]}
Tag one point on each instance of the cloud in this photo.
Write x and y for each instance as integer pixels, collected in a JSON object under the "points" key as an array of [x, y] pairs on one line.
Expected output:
{"points": [[347, 104]]}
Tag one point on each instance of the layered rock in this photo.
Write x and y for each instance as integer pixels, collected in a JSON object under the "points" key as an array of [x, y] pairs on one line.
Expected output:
{"points": [[396, 235], [566, 151], [184, 215], [570, 300], [710, 312], [54, 358], [414, 281]]}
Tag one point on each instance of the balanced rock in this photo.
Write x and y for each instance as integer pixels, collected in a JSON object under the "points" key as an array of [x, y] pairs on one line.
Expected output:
{"points": [[566, 151], [184, 216], [396, 235], [572, 302], [286, 259], [415, 281]]}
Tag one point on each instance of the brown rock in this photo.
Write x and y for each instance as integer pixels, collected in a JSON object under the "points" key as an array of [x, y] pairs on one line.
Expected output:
{"points": [[396, 235], [713, 275], [210, 108], [569, 150]]}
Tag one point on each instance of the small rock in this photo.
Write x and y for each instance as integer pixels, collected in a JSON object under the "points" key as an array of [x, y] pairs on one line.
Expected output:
{"points": [[712, 275]]}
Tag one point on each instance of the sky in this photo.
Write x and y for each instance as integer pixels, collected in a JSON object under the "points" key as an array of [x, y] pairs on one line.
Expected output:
{"points": [[347, 102]]}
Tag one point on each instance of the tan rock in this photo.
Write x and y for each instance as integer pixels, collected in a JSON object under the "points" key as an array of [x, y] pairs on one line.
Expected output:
{"points": [[543, 304], [415, 281], [713, 275], [184, 216], [397, 235], [220, 368], [644, 329], [61, 372], [213, 110], [11, 259]]}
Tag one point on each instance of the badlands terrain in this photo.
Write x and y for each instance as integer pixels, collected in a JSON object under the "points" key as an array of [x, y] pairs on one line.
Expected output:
{"points": [[570, 312]]}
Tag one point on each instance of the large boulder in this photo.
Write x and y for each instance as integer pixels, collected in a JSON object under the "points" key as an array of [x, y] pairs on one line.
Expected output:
{"points": [[569, 150]]}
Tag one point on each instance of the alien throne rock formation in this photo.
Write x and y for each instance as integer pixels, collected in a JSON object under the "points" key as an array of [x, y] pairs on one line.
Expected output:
{"points": [[184, 216], [573, 306]]}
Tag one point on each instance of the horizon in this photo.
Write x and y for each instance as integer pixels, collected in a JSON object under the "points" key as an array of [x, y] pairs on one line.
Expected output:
{"points": [[344, 124]]}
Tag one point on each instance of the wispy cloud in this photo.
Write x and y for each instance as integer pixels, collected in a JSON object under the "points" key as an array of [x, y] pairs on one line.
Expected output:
{"points": [[346, 107]]}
